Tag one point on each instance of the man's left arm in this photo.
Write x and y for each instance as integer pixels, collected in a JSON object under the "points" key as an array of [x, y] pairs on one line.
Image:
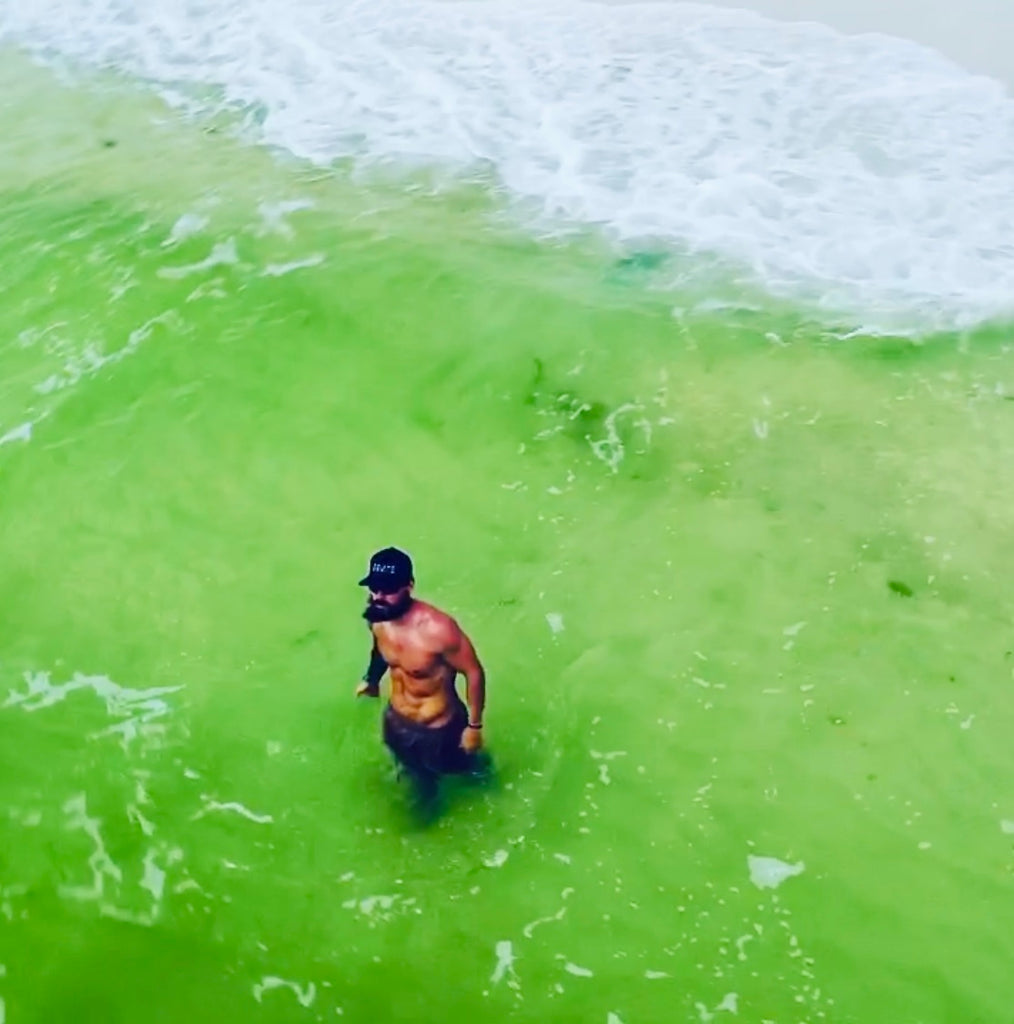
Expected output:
{"points": [[461, 656]]}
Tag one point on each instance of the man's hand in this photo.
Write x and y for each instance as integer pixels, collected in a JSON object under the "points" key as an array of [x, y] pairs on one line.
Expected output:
{"points": [[471, 740], [365, 689]]}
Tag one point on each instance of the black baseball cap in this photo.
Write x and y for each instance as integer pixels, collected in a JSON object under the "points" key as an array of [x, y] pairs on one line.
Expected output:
{"points": [[390, 570]]}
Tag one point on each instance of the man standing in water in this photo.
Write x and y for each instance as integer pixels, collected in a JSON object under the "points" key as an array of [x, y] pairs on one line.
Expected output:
{"points": [[426, 724]]}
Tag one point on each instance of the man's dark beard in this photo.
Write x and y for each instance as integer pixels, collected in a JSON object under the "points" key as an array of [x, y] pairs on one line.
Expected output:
{"points": [[380, 612]]}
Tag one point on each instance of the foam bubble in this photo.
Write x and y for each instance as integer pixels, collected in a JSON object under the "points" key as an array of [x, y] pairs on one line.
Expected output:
{"points": [[233, 807], [281, 269], [505, 960], [19, 433], [100, 863], [305, 995], [532, 925], [222, 254], [273, 215], [187, 225], [154, 877], [381, 908], [769, 872], [730, 1004], [866, 173]]}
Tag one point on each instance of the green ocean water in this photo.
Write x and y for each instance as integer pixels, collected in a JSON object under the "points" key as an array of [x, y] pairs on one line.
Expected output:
{"points": [[741, 588]]}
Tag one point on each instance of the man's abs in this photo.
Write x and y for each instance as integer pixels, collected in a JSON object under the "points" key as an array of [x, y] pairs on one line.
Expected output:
{"points": [[429, 701]]}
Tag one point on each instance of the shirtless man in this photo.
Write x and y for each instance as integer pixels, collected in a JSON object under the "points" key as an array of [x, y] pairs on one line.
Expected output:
{"points": [[426, 725]]}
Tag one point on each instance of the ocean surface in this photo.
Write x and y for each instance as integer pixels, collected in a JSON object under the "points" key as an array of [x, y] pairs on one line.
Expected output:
{"points": [[674, 343]]}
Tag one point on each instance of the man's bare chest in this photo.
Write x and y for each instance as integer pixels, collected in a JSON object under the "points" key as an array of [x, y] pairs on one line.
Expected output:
{"points": [[406, 650]]}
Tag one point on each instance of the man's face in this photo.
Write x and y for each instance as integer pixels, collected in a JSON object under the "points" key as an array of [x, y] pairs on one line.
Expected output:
{"points": [[385, 606]]}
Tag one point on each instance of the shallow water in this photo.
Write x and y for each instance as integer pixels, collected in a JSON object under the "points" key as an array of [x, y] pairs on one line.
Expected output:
{"points": [[739, 582]]}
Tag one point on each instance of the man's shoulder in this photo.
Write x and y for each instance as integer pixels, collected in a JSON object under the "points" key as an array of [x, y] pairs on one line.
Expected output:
{"points": [[436, 623]]}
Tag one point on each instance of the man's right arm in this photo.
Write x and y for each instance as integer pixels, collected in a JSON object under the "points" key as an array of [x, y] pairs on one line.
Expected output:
{"points": [[370, 686]]}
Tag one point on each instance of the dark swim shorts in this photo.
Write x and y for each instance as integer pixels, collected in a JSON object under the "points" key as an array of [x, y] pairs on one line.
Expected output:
{"points": [[427, 750]]}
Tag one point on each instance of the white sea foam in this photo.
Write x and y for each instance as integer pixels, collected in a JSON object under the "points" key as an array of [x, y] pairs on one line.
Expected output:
{"points": [[234, 807], [19, 433], [100, 864], [137, 711], [505, 960], [770, 872], [864, 174], [187, 225], [281, 269], [381, 908], [305, 994], [222, 254]]}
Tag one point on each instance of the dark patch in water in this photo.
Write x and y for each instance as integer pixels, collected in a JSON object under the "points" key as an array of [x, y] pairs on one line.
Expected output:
{"points": [[582, 417], [306, 638], [836, 720], [537, 378], [900, 587], [646, 260], [431, 798]]}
